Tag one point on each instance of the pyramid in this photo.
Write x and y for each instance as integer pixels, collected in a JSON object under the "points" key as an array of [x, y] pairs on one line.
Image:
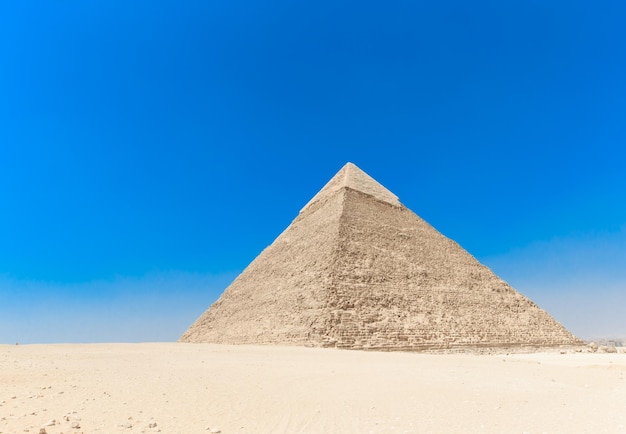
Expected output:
{"points": [[357, 269]]}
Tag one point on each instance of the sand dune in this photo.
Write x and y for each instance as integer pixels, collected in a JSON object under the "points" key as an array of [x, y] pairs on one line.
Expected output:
{"points": [[199, 388]]}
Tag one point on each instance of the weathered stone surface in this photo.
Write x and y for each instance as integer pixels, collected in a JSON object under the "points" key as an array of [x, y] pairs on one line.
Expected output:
{"points": [[357, 269]]}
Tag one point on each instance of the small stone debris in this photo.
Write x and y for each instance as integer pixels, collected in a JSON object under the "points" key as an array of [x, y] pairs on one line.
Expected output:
{"points": [[213, 430], [51, 422], [152, 425], [43, 431], [75, 425]]}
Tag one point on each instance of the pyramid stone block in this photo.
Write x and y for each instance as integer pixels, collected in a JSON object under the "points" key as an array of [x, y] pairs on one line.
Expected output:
{"points": [[357, 269]]}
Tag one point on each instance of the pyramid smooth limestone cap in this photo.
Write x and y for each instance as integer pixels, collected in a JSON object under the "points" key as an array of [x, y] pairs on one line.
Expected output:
{"points": [[350, 176]]}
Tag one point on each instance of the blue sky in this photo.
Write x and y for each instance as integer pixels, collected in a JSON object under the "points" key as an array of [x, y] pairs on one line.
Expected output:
{"points": [[150, 150]]}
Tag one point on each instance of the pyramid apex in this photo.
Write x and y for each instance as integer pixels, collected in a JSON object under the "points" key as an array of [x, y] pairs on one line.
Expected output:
{"points": [[351, 176]]}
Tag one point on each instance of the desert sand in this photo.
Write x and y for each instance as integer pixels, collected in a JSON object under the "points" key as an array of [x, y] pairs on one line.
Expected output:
{"points": [[201, 388]]}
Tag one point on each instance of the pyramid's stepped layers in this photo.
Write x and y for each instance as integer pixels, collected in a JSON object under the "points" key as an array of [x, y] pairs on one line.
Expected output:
{"points": [[356, 269], [282, 292], [400, 284]]}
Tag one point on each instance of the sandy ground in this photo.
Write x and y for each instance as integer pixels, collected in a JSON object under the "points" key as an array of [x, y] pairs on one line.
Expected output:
{"points": [[199, 388]]}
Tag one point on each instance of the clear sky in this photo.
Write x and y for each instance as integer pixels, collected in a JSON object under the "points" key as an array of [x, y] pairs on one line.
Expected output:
{"points": [[149, 150]]}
